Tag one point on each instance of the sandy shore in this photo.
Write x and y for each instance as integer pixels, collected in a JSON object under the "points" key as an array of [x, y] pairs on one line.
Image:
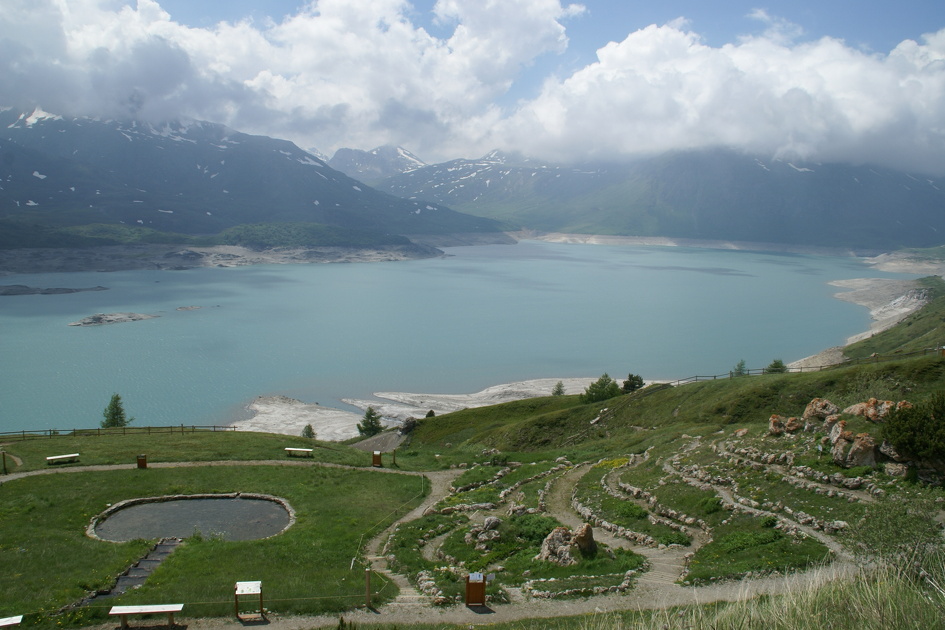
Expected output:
{"points": [[889, 301], [281, 414]]}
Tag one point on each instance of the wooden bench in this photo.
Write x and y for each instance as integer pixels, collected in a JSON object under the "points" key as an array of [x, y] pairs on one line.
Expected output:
{"points": [[299, 452], [61, 459], [124, 611], [10, 621]]}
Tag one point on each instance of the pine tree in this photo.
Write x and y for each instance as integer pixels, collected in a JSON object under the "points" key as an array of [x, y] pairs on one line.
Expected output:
{"points": [[371, 425], [601, 389], [114, 414]]}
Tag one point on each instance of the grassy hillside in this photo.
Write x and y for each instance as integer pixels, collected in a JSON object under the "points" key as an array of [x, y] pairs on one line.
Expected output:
{"points": [[555, 426], [923, 329], [16, 234], [691, 467]]}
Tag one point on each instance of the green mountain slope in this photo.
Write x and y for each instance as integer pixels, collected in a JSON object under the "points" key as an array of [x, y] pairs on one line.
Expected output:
{"points": [[712, 194]]}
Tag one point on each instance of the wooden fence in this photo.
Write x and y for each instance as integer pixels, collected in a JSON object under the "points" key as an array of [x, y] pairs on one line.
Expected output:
{"points": [[817, 368], [49, 433]]}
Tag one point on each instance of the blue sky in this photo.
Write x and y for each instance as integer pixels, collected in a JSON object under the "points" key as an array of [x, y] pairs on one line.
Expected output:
{"points": [[842, 80]]}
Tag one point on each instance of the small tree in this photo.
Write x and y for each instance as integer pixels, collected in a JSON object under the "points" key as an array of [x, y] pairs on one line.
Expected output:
{"points": [[633, 383], [308, 432], [371, 425], [740, 369], [114, 414], [558, 389], [776, 367], [601, 389]]}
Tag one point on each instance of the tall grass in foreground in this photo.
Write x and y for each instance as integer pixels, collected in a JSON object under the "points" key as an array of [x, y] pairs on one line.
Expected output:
{"points": [[884, 598]]}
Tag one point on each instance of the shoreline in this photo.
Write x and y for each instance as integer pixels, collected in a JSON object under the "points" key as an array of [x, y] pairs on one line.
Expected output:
{"points": [[183, 257], [888, 300]]}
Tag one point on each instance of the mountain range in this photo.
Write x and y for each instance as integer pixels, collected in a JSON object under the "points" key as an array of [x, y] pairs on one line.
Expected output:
{"points": [[200, 178], [710, 194], [191, 178]]}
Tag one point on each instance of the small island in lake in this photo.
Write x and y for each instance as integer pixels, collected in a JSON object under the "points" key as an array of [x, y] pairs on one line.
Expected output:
{"points": [[111, 318]]}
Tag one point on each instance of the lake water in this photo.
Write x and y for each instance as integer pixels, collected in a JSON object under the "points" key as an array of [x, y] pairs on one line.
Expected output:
{"points": [[479, 317]]}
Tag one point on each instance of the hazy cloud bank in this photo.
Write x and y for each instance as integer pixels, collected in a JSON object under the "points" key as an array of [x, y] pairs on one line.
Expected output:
{"points": [[362, 73]]}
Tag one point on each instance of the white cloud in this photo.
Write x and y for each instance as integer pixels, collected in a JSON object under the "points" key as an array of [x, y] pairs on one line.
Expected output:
{"points": [[662, 89], [362, 73]]}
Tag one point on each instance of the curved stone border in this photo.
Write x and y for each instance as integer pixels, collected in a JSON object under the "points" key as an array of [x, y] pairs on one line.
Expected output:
{"points": [[531, 586], [98, 518]]}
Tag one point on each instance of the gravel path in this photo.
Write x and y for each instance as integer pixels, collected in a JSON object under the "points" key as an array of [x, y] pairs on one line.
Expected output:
{"points": [[654, 590]]}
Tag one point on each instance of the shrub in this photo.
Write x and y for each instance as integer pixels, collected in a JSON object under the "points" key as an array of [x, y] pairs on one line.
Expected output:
{"points": [[603, 388], [631, 510], [633, 383], [710, 505], [531, 528], [920, 430], [776, 367]]}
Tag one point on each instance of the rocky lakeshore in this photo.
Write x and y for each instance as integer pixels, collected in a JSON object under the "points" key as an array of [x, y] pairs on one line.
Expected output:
{"points": [[163, 257], [22, 289]]}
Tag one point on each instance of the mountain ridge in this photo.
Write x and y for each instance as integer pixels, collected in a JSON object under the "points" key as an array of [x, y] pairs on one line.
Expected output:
{"points": [[714, 194], [191, 177]]}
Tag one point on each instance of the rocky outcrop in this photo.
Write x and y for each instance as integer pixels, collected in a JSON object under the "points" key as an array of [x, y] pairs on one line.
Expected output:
{"points": [[793, 425], [583, 539], [875, 410], [850, 450], [556, 547], [775, 425], [817, 412], [100, 319], [820, 409]]}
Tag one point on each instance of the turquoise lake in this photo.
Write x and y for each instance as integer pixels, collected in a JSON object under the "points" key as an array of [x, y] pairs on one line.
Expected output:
{"points": [[477, 317]]}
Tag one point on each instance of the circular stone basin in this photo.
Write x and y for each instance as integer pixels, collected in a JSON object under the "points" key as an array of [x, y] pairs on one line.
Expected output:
{"points": [[228, 518]]}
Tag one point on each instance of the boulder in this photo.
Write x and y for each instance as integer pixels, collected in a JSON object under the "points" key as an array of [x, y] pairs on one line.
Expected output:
{"points": [[875, 410], [741, 433], [829, 422], [819, 409], [583, 539], [837, 430], [839, 451], [775, 425], [556, 548], [854, 450], [896, 470], [887, 449], [491, 522], [862, 451], [793, 425]]}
